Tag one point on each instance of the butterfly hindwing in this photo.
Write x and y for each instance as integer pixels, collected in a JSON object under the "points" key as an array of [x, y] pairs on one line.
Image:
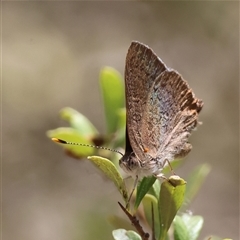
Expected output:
{"points": [[170, 115]]}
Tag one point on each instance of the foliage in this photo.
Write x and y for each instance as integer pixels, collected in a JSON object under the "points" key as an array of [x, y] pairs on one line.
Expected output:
{"points": [[160, 202]]}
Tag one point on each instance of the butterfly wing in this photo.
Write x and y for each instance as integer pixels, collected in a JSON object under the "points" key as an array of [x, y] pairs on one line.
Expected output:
{"points": [[169, 117], [142, 69]]}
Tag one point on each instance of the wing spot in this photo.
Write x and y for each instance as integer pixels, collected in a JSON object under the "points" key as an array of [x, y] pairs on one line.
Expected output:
{"points": [[145, 150]]}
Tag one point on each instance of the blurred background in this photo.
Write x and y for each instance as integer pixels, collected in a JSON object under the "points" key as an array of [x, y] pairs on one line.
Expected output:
{"points": [[52, 53]]}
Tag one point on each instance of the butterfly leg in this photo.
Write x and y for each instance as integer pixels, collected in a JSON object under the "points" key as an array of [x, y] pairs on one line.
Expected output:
{"points": [[160, 175], [134, 187], [170, 166]]}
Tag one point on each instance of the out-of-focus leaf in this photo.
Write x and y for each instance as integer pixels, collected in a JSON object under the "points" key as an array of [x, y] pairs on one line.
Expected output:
{"points": [[155, 189], [79, 121], [149, 201], [187, 227], [110, 170], [170, 200], [112, 88], [180, 230], [119, 139], [72, 135], [195, 181], [122, 118], [133, 235], [143, 188], [122, 234]]}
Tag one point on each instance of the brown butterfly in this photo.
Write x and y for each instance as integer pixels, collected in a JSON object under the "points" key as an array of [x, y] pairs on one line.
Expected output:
{"points": [[162, 111]]}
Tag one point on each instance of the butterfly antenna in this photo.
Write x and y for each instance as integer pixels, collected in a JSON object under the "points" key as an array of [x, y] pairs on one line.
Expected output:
{"points": [[58, 140]]}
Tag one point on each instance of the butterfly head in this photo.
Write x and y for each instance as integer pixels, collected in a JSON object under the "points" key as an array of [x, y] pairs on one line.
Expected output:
{"points": [[130, 163]]}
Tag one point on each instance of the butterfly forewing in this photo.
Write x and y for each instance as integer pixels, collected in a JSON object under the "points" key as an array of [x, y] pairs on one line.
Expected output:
{"points": [[142, 69]]}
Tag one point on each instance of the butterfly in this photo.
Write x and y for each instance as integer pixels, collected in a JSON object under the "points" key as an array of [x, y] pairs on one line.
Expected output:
{"points": [[162, 111]]}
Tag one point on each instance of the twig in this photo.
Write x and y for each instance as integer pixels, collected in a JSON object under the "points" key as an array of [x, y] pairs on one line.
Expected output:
{"points": [[135, 223]]}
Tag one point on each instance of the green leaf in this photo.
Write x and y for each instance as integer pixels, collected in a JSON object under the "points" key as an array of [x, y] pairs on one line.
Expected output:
{"points": [[143, 188], [133, 235], [122, 234], [110, 170], [180, 230], [187, 227], [195, 181], [72, 135], [194, 225], [79, 122], [112, 88], [119, 137], [122, 118], [155, 189], [149, 201], [170, 200]]}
